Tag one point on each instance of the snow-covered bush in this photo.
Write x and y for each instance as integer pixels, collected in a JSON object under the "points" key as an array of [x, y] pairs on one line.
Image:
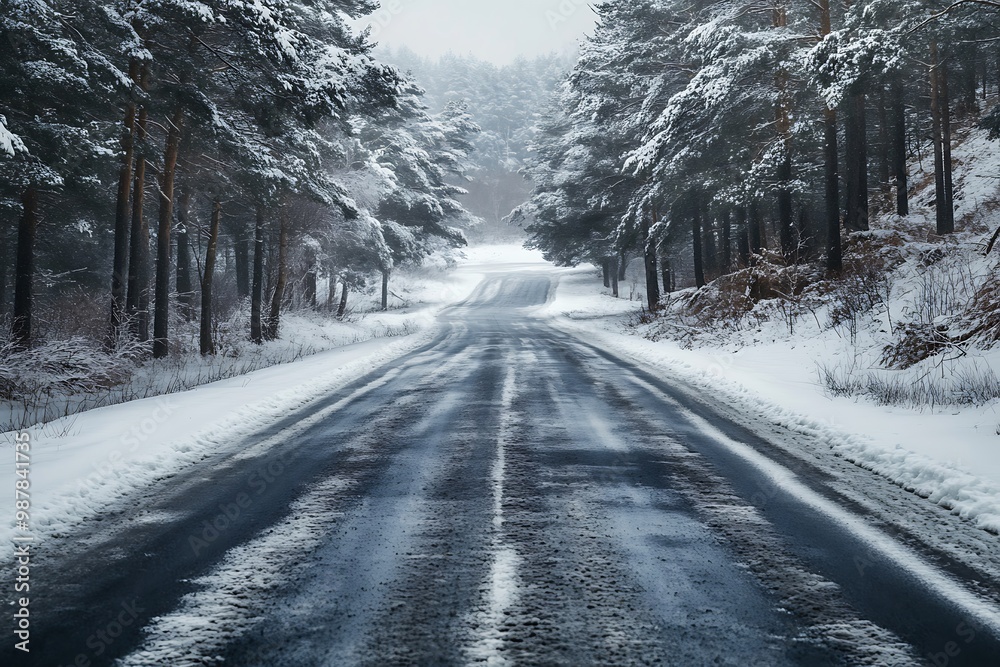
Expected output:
{"points": [[918, 387], [72, 365]]}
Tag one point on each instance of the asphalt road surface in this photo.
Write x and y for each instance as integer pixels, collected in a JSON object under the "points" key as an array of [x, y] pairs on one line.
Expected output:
{"points": [[508, 494]]}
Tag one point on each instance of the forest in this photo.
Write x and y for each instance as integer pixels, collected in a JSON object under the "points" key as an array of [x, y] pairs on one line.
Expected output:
{"points": [[757, 138], [172, 170], [178, 175]]}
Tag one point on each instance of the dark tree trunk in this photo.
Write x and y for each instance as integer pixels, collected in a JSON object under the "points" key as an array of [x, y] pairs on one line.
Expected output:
{"points": [[331, 292], [137, 301], [754, 225], [667, 271], [241, 250], [803, 247], [831, 160], [711, 250], [649, 257], [786, 223], [884, 144], [899, 148], [743, 236], [606, 268], [856, 125], [342, 309], [949, 185], [697, 249], [622, 265], [831, 163], [119, 276], [185, 281], [161, 320], [970, 79], [727, 242], [614, 277], [943, 204], [257, 289], [4, 261], [784, 126], [24, 269], [207, 343], [385, 290], [309, 287], [272, 329]]}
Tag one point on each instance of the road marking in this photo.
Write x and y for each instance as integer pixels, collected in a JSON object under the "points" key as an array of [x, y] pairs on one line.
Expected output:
{"points": [[502, 584]]}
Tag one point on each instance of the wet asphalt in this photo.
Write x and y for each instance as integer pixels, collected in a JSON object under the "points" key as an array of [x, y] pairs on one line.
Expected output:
{"points": [[508, 494]]}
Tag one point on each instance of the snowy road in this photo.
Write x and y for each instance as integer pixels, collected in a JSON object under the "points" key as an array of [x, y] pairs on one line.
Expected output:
{"points": [[508, 494]]}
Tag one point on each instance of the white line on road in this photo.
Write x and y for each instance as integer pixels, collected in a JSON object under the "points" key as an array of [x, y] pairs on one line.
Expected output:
{"points": [[502, 585]]}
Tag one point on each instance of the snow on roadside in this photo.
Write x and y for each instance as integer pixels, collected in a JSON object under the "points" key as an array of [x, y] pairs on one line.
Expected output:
{"points": [[950, 457], [82, 463]]}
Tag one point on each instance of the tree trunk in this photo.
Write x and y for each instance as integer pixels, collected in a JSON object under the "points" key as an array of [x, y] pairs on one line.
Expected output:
{"points": [[161, 321], [137, 300], [667, 272], [257, 288], [857, 164], [273, 327], [727, 242], [614, 276], [385, 290], [24, 269], [310, 286], [831, 163], [331, 292], [698, 251], [899, 148], [342, 309], [119, 277], [943, 204], [884, 144], [831, 160], [185, 281], [623, 266], [710, 247], [804, 246], [743, 236], [606, 269], [754, 225], [970, 79], [4, 257], [207, 343], [949, 185], [784, 126], [241, 250], [649, 257]]}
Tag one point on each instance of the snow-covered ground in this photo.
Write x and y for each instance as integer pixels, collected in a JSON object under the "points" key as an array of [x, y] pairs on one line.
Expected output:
{"points": [[950, 455]]}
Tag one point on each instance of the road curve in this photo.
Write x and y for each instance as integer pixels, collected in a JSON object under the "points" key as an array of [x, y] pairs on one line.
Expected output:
{"points": [[508, 494]]}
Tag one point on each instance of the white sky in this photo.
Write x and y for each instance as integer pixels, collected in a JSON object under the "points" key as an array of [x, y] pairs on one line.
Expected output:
{"points": [[494, 30]]}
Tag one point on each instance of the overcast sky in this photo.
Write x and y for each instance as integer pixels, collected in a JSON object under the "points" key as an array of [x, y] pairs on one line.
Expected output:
{"points": [[495, 30]]}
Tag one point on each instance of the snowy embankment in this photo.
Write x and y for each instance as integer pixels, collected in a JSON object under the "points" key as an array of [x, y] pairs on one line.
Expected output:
{"points": [[949, 455], [82, 463]]}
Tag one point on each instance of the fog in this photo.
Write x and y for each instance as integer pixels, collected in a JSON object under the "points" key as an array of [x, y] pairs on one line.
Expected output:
{"points": [[494, 31]]}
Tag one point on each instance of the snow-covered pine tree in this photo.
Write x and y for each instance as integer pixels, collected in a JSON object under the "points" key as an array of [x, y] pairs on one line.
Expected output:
{"points": [[419, 157], [59, 76]]}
